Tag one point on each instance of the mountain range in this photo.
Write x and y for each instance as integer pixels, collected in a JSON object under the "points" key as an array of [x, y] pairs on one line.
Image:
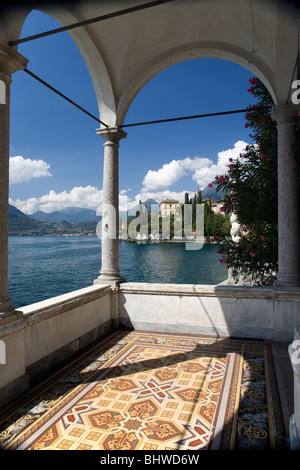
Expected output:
{"points": [[73, 215], [211, 193], [74, 219], [22, 224]]}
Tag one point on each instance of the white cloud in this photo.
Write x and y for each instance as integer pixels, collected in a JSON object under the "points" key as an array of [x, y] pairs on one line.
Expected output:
{"points": [[166, 176], [204, 176], [87, 197], [171, 172], [156, 185], [202, 170], [24, 169]]}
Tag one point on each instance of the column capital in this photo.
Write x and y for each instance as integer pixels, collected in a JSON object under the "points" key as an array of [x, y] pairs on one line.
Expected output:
{"points": [[284, 113], [10, 60], [111, 134]]}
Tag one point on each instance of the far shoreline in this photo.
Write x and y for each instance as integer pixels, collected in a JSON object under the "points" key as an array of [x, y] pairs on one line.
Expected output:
{"points": [[139, 242]]}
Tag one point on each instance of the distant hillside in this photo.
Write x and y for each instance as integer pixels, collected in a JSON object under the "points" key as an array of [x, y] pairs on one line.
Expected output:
{"points": [[73, 215], [131, 213], [211, 193], [148, 203], [22, 224], [18, 221]]}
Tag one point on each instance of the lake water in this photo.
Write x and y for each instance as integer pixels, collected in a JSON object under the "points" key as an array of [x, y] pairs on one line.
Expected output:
{"points": [[44, 267]]}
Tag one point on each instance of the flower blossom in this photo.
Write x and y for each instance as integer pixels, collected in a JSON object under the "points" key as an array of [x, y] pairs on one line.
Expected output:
{"points": [[253, 80]]}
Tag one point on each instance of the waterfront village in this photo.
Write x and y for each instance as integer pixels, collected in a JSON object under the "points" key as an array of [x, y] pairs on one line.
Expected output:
{"points": [[149, 221], [171, 223]]}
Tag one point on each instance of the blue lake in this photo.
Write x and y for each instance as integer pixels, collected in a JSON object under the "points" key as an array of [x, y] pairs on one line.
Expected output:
{"points": [[44, 267]]}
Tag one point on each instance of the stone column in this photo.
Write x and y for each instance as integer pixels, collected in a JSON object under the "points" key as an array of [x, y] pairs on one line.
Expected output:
{"points": [[288, 276], [109, 272], [10, 62]]}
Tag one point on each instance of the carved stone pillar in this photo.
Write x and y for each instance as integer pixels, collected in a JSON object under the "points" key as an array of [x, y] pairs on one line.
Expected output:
{"points": [[10, 62], [288, 276], [109, 272]]}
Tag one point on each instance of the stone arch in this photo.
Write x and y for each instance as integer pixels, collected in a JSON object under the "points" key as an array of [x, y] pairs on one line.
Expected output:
{"points": [[210, 50], [92, 58]]}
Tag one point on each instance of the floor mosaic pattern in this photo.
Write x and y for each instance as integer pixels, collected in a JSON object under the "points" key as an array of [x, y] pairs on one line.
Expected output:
{"points": [[145, 391]]}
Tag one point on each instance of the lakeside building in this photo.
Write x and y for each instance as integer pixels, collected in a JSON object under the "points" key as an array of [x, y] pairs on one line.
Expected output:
{"points": [[168, 207], [216, 206], [209, 200]]}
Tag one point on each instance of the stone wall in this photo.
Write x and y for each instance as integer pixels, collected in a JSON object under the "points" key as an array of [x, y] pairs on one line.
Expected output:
{"points": [[43, 335], [221, 310]]}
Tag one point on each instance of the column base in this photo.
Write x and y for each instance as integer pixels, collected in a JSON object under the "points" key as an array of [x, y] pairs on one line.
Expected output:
{"points": [[292, 284], [5, 307], [110, 278]]}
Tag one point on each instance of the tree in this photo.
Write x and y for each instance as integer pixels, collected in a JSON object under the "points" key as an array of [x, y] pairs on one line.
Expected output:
{"points": [[209, 217], [250, 188], [194, 211], [199, 196]]}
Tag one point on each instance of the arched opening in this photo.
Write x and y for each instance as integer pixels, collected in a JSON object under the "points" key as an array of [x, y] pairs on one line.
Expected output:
{"points": [[55, 169], [168, 160], [217, 51]]}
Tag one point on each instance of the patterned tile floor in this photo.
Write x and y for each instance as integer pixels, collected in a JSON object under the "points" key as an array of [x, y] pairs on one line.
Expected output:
{"points": [[154, 391]]}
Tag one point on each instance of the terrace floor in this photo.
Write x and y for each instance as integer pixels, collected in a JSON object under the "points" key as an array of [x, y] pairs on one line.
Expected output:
{"points": [[137, 390]]}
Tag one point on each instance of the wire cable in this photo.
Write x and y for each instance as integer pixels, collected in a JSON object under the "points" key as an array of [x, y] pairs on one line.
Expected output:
{"points": [[79, 24], [64, 96], [197, 116], [145, 123]]}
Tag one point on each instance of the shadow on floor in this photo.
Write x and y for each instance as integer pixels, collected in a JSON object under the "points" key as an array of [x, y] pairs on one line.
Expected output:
{"points": [[259, 374]]}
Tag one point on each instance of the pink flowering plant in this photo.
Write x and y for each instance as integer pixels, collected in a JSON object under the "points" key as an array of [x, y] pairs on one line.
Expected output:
{"points": [[250, 188]]}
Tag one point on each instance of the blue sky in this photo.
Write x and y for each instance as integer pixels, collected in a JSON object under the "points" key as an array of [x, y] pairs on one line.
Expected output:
{"points": [[56, 157]]}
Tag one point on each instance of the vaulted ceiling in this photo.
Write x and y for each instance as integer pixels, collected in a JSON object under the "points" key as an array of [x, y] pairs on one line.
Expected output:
{"points": [[122, 53]]}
